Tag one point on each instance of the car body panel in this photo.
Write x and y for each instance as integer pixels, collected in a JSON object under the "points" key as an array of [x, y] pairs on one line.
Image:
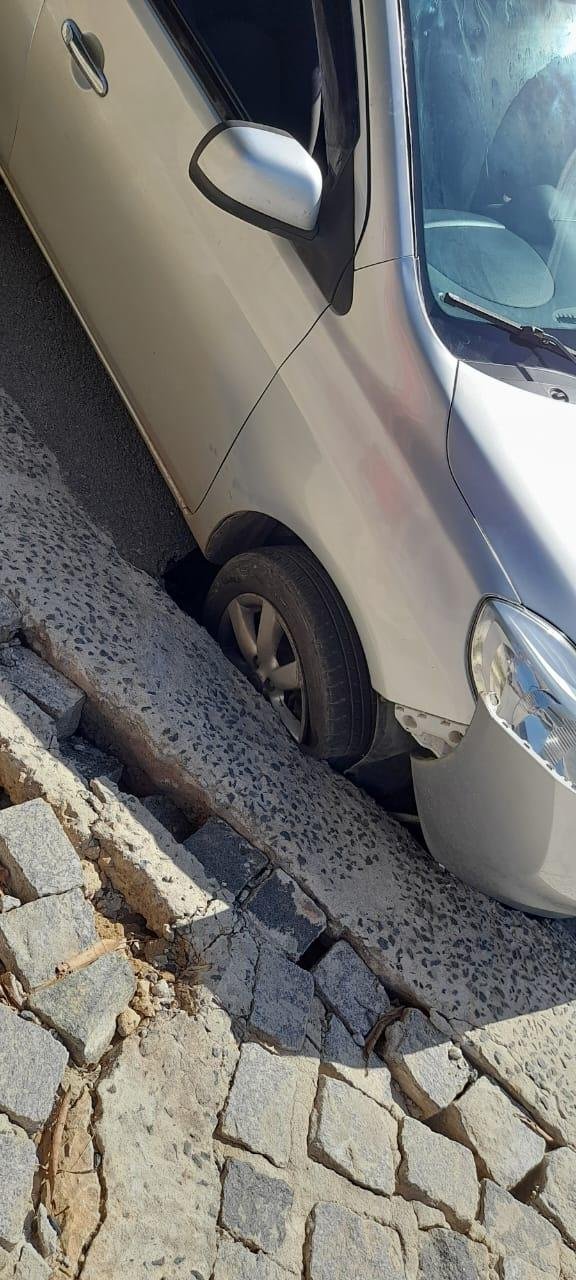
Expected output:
{"points": [[18, 20]]}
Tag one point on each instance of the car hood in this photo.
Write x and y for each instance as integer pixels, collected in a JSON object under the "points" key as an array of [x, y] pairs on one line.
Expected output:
{"points": [[513, 456]]}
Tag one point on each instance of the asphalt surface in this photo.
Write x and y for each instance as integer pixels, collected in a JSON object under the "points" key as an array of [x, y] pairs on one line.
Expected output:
{"points": [[51, 370]]}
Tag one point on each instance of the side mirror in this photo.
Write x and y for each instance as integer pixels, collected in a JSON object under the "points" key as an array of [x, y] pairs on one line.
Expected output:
{"points": [[261, 175]]}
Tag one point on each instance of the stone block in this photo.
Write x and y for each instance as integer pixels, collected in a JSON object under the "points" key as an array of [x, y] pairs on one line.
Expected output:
{"points": [[48, 688], [287, 917], [36, 938], [165, 811], [88, 761], [228, 859], [24, 1264], [351, 990], [255, 1207], [347, 1060], [519, 1230], [554, 1192], [18, 1165], [353, 1135], [498, 1131], [235, 1262], [10, 618], [258, 1113], [516, 1269], [439, 1172], [426, 1064], [447, 1256], [342, 1245], [282, 1003], [37, 854], [84, 1006], [32, 1064]]}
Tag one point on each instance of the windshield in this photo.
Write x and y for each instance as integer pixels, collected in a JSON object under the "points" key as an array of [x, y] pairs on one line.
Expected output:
{"points": [[495, 86]]}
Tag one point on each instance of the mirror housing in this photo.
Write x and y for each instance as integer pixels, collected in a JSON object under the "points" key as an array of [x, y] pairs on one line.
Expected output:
{"points": [[261, 175]]}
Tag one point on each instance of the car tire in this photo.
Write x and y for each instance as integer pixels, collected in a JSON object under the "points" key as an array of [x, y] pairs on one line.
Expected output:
{"points": [[336, 700]]}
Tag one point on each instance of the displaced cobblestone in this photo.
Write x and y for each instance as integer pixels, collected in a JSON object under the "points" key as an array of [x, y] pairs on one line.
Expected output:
{"points": [[38, 856], [32, 1065], [53, 692], [285, 915], [84, 1006], [89, 762], [283, 998], [255, 1207], [18, 1165], [554, 1191], [439, 1172], [343, 1245], [352, 1134], [519, 1230], [427, 1065], [498, 1132], [348, 1061], [351, 990], [258, 1114], [227, 858], [24, 1264], [36, 938]]}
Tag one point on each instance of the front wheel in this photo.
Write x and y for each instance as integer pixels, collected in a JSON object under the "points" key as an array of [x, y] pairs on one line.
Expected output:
{"points": [[280, 620]]}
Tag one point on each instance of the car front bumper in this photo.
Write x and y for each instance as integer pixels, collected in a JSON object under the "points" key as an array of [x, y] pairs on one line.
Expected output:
{"points": [[493, 814]]}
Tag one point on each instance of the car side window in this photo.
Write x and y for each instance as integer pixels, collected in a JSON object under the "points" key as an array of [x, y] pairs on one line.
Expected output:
{"points": [[266, 53]]}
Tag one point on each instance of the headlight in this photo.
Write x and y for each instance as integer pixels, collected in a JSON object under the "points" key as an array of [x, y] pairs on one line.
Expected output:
{"points": [[527, 671]]}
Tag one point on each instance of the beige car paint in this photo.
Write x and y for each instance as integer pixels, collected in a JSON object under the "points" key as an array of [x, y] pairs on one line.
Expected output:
{"points": [[17, 22]]}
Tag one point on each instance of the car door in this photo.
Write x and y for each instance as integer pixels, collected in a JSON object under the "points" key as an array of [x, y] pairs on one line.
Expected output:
{"points": [[192, 309]]}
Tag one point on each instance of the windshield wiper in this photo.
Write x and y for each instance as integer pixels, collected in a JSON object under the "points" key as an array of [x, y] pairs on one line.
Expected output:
{"points": [[526, 333]]}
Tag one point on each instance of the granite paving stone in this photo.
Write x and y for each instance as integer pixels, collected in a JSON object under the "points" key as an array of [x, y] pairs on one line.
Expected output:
{"points": [[236, 1262], [10, 618], [18, 1166], [258, 1114], [554, 1191], [519, 1230], [498, 1132], [355, 1136], [350, 989], [36, 852], [255, 1207], [24, 1263], [426, 1064], [36, 938], [227, 858], [83, 1007], [53, 692], [439, 1172], [513, 1268], [32, 1064], [346, 1059], [447, 1256], [288, 917], [88, 761], [342, 1245], [283, 997]]}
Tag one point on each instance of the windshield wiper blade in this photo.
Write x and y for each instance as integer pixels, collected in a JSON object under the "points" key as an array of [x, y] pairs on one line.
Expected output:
{"points": [[532, 336]]}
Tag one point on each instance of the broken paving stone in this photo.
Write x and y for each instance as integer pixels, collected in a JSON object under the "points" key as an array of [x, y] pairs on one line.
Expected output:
{"points": [[425, 1063], [227, 858], [283, 998], [554, 1192], [165, 811], [259, 1110], [519, 1230], [497, 1130], [88, 761], [10, 618], [255, 1207], [46, 1234], [84, 1006], [353, 1135], [288, 917], [36, 938], [348, 1061], [447, 1256], [76, 1191], [24, 1264], [48, 688], [235, 1262], [344, 1246], [8, 903], [36, 852], [32, 1064], [351, 989], [18, 1165], [439, 1172]]}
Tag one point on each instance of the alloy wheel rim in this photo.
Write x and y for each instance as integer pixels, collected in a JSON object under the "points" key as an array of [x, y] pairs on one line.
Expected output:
{"points": [[256, 639]]}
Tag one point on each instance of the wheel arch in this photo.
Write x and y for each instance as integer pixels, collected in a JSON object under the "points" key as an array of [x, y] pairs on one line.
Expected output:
{"points": [[245, 531]]}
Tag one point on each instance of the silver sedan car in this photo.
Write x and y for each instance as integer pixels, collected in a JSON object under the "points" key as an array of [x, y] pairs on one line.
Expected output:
{"points": [[327, 252]]}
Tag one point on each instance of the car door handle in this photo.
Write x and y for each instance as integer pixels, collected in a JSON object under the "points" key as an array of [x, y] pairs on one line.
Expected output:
{"points": [[79, 51]]}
